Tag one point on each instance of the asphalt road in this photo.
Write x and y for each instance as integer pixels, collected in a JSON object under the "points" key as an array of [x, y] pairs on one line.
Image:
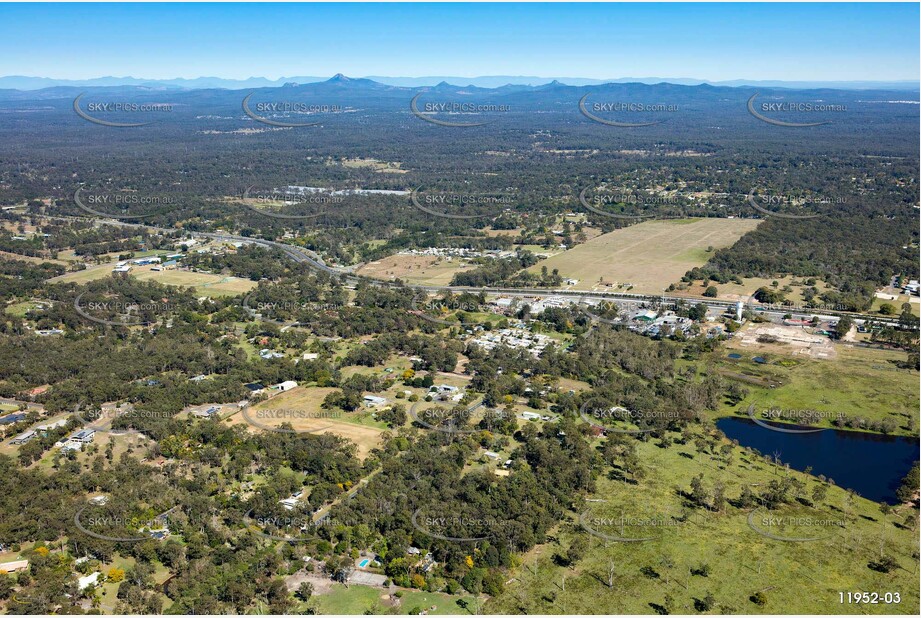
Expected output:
{"points": [[315, 262]]}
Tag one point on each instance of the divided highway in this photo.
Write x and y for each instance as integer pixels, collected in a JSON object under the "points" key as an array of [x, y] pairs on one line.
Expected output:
{"points": [[315, 262]]}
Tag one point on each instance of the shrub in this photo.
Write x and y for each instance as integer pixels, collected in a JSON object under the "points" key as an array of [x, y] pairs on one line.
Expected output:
{"points": [[705, 604], [703, 570], [885, 564], [116, 575]]}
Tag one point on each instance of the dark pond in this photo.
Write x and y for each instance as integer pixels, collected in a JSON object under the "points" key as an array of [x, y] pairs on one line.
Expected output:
{"points": [[870, 464]]}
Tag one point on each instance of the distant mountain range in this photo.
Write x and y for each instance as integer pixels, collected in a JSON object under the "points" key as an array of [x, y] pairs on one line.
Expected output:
{"points": [[372, 94], [19, 82]]}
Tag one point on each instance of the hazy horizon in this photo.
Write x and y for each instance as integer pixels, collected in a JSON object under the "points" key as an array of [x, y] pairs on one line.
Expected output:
{"points": [[38, 82], [707, 42]]}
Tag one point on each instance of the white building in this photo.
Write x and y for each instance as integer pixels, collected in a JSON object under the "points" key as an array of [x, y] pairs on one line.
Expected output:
{"points": [[13, 566], [291, 502], [88, 580], [24, 437], [76, 441]]}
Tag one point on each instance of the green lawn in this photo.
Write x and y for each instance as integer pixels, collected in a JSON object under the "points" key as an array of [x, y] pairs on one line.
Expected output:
{"points": [[20, 309], [897, 303], [109, 590], [355, 600], [363, 418], [251, 352]]}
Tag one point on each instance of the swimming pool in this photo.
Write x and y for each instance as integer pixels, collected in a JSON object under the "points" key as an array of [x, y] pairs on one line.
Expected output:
{"points": [[364, 562]]}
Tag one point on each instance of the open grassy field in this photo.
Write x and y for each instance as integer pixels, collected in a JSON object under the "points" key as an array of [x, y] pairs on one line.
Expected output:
{"points": [[566, 384], [381, 167], [205, 284], [307, 400], [300, 398], [806, 575], [897, 303], [860, 382], [356, 600], [29, 258], [649, 255], [80, 277], [416, 269], [512, 232], [20, 309], [17, 227], [397, 362], [735, 291], [541, 250]]}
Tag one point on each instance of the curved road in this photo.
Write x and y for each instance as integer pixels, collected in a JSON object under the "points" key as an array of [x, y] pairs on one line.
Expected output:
{"points": [[315, 262]]}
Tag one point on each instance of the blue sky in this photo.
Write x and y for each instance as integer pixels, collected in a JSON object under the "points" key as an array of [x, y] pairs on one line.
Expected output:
{"points": [[714, 42]]}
